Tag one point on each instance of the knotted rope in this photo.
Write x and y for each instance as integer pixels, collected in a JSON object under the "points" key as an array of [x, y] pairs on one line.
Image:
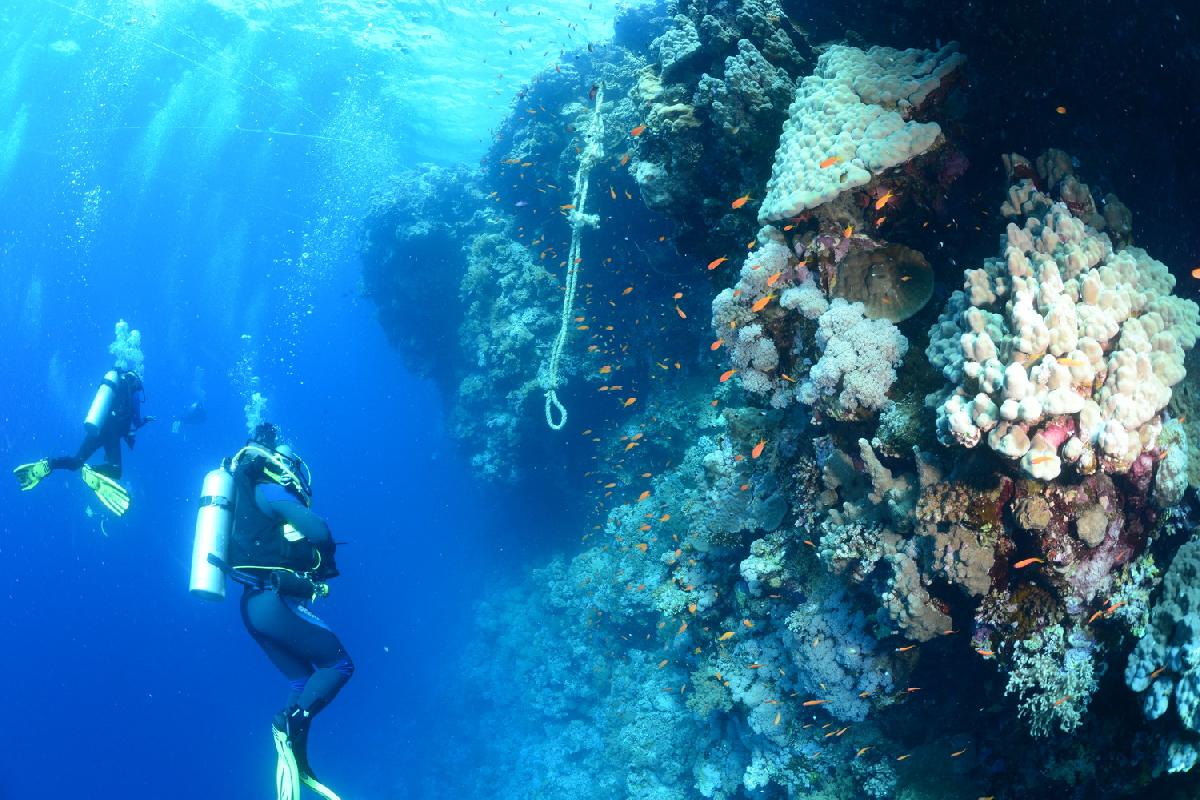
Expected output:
{"points": [[593, 151]]}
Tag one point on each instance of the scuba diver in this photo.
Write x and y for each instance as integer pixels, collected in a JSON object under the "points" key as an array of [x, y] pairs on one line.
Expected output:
{"points": [[115, 414], [194, 414], [256, 528]]}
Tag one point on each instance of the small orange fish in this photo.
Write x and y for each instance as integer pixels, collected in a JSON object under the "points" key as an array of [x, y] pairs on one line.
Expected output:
{"points": [[1040, 459], [716, 345], [814, 702], [1060, 110], [1108, 612], [725, 637], [848, 232], [627, 290], [624, 159], [959, 753], [829, 162], [772, 278], [863, 750], [912, 689], [883, 201], [1095, 616], [662, 663], [605, 369], [755, 665], [905, 649], [759, 305], [778, 716], [741, 201], [727, 374], [638, 131], [748, 623], [644, 496], [758, 448], [985, 653], [1156, 673], [566, 207], [716, 262], [1196, 272], [1062, 700], [641, 546], [904, 757], [612, 193], [1025, 562], [630, 401], [679, 311], [787, 377]]}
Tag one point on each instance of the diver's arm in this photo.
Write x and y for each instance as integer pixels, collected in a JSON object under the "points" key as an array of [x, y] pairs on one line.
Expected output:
{"points": [[278, 502]]}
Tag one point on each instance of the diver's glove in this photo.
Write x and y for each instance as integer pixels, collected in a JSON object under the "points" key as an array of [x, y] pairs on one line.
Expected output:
{"points": [[30, 475], [110, 493]]}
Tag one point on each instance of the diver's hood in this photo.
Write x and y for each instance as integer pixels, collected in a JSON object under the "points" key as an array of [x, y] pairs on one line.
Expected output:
{"points": [[281, 466]]}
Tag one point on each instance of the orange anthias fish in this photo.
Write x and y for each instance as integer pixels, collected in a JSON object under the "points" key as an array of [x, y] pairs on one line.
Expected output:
{"points": [[725, 637], [848, 232], [639, 130], [630, 402], [758, 448], [814, 702], [759, 305], [1196, 272], [715, 345], [905, 649], [716, 262], [741, 201], [1025, 562], [883, 201], [644, 496], [829, 162], [727, 374], [771, 280], [642, 546]]}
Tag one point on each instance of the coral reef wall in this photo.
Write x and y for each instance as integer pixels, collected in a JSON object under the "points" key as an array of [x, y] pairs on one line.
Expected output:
{"points": [[884, 470]]}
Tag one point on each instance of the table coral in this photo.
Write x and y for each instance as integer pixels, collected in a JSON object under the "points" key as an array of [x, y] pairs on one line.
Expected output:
{"points": [[856, 109]]}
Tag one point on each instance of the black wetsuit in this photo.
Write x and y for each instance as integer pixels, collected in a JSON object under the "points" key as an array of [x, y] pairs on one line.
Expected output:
{"points": [[298, 643], [123, 420]]}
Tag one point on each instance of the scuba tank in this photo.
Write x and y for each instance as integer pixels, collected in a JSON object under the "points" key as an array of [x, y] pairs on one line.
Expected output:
{"points": [[102, 403], [214, 522]]}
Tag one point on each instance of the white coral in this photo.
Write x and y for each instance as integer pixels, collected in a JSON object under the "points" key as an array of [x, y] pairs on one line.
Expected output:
{"points": [[1061, 326]]}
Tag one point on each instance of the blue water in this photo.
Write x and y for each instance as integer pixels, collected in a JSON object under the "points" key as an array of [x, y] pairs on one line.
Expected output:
{"points": [[200, 169]]}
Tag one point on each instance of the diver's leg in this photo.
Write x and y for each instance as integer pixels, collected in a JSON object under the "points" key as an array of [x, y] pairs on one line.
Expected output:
{"points": [[89, 445], [258, 615], [297, 636], [292, 635], [112, 457]]}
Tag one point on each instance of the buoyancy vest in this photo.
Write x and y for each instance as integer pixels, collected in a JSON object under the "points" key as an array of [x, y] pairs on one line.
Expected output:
{"points": [[258, 538]]}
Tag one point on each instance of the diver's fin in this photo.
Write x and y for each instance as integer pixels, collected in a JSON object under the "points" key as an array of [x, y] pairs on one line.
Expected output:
{"points": [[287, 774], [109, 492], [30, 475], [321, 789]]}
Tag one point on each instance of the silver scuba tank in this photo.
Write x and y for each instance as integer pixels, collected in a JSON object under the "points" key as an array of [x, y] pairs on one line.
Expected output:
{"points": [[214, 523], [101, 403]]}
